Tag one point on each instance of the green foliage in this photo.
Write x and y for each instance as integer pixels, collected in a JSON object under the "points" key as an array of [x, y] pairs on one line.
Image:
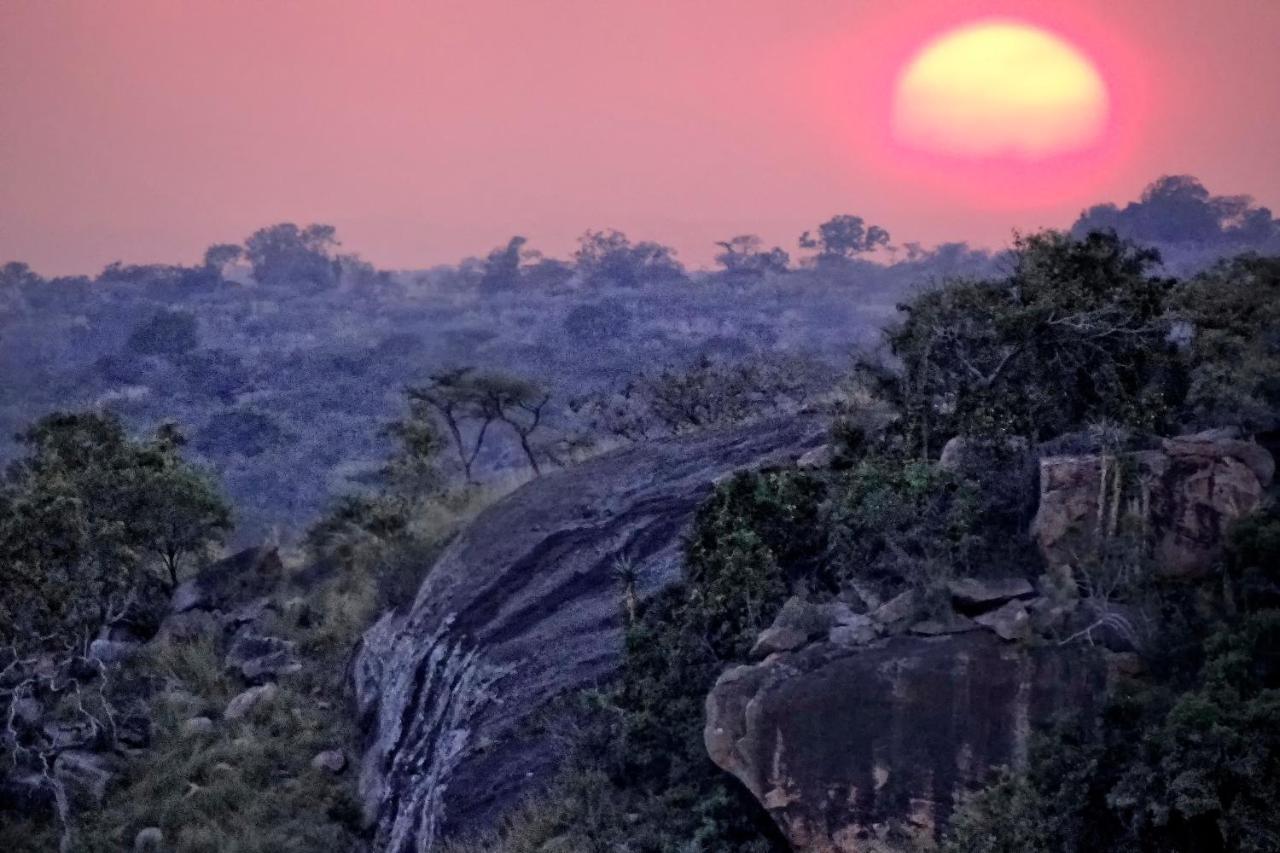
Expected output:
{"points": [[299, 259], [1184, 762], [358, 533], [754, 541], [167, 333], [1233, 312], [89, 519], [1008, 816], [844, 237], [1076, 332], [248, 786], [896, 524], [1253, 558]]}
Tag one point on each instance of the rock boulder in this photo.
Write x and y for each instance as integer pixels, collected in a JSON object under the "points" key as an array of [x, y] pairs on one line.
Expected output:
{"points": [[1183, 495], [857, 749]]}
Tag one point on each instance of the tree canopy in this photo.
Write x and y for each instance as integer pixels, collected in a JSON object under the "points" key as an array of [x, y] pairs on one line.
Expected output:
{"points": [[89, 518]]}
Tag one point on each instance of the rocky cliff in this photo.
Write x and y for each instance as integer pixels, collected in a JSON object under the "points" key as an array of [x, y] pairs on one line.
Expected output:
{"points": [[855, 749], [1183, 496], [459, 696]]}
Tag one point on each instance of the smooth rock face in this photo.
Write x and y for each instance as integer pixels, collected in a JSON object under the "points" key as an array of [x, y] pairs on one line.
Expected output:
{"points": [[522, 608], [197, 727], [247, 575], [981, 593], [1010, 621], [865, 749], [331, 761], [112, 651], [148, 840], [240, 706], [1185, 495], [258, 658]]}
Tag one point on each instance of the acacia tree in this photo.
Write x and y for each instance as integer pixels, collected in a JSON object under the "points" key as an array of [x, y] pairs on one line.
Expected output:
{"points": [[468, 402], [745, 257], [520, 405], [454, 398]]}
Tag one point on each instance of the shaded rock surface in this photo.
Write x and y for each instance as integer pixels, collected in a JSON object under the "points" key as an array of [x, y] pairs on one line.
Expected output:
{"points": [[249, 574], [1184, 495], [521, 609], [855, 749], [980, 593]]}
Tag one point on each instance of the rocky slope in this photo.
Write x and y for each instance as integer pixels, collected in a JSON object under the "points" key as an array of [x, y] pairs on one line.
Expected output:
{"points": [[1183, 495], [858, 731], [459, 696]]}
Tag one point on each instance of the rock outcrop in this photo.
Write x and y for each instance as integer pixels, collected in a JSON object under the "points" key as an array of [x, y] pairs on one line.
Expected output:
{"points": [[1183, 497], [856, 749], [458, 696]]}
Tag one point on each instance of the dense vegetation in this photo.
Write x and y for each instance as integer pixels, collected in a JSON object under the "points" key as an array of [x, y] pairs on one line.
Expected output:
{"points": [[278, 354], [282, 356], [1188, 758], [1079, 336]]}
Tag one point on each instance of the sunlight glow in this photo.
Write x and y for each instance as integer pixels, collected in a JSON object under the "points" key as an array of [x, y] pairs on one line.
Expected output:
{"points": [[1000, 89]]}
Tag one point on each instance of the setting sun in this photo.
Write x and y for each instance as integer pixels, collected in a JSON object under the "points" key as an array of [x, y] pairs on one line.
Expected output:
{"points": [[999, 89]]}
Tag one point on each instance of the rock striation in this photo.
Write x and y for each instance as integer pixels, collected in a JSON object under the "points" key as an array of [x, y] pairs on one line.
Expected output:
{"points": [[458, 696]]}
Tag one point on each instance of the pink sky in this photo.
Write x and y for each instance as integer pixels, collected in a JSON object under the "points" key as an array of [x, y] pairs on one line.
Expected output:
{"points": [[429, 131]]}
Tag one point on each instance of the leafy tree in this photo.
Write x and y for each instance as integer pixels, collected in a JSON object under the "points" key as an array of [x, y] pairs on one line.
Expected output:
{"points": [[167, 333], [16, 281], [285, 255], [181, 513], [78, 517], [1076, 332], [501, 269], [609, 257], [1233, 315], [744, 257], [359, 533], [898, 524], [469, 402], [844, 237], [217, 256], [1177, 209], [411, 472]]}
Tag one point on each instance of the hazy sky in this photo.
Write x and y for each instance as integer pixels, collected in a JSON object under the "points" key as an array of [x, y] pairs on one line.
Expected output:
{"points": [[429, 131]]}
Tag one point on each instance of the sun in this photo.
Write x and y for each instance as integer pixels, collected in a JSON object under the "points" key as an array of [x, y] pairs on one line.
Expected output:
{"points": [[1000, 89]]}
